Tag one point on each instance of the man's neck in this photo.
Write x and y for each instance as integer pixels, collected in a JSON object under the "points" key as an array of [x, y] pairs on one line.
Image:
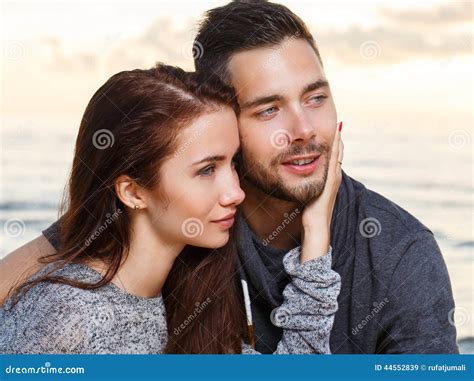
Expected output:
{"points": [[276, 222]]}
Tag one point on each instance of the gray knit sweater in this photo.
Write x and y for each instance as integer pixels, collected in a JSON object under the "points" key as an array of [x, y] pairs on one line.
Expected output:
{"points": [[57, 318]]}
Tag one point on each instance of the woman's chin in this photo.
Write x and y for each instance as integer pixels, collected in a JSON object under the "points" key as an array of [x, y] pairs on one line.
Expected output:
{"points": [[214, 240]]}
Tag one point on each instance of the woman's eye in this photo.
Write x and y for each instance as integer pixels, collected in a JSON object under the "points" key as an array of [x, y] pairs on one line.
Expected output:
{"points": [[267, 112], [207, 171]]}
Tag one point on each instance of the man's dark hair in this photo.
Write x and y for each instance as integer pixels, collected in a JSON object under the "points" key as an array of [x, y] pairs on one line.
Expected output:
{"points": [[243, 25]]}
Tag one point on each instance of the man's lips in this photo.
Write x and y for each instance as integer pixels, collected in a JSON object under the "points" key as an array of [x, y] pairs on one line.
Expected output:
{"points": [[302, 164], [301, 157]]}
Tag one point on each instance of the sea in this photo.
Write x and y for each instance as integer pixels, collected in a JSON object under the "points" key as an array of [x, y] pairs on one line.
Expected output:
{"points": [[427, 172]]}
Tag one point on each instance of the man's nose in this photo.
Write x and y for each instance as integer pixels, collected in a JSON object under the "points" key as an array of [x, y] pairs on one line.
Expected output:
{"points": [[302, 130]]}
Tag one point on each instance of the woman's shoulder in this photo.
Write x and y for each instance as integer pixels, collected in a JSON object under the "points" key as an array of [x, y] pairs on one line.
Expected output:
{"points": [[75, 271], [53, 317], [50, 294]]}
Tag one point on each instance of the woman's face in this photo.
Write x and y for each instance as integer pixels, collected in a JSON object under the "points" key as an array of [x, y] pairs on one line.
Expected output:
{"points": [[199, 190]]}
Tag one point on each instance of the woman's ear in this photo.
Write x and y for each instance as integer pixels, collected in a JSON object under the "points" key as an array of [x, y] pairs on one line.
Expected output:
{"points": [[129, 192]]}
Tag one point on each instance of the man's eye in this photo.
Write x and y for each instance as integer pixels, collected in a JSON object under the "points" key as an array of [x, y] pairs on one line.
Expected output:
{"points": [[267, 112], [317, 99], [207, 171]]}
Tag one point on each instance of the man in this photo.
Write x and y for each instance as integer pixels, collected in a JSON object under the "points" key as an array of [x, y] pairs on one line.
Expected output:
{"points": [[396, 295]]}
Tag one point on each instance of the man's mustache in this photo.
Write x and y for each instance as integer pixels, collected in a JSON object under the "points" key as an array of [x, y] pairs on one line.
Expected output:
{"points": [[298, 149]]}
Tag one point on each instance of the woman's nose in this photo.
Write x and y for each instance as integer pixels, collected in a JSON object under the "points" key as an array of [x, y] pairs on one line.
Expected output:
{"points": [[233, 194]]}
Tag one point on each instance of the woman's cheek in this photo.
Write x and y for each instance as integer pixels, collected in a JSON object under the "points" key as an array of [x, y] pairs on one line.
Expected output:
{"points": [[199, 198]]}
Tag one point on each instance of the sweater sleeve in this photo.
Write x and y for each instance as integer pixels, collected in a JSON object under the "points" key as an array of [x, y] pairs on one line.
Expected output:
{"points": [[309, 305]]}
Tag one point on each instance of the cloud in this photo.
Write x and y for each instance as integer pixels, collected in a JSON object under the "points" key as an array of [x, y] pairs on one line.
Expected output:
{"points": [[455, 13], [160, 41], [402, 35], [391, 45], [57, 59]]}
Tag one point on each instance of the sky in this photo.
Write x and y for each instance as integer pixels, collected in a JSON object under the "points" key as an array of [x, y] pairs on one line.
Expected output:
{"points": [[399, 66], [406, 62]]}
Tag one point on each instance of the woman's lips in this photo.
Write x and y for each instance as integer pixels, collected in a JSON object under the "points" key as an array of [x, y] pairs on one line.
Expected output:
{"points": [[302, 169], [226, 222]]}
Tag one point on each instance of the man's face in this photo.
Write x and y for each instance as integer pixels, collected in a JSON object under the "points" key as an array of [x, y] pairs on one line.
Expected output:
{"points": [[287, 121]]}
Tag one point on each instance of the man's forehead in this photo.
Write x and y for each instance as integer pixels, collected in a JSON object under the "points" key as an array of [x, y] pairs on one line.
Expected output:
{"points": [[274, 70]]}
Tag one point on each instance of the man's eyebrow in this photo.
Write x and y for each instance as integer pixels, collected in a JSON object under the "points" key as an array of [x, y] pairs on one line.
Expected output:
{"points": [[315, 86], [274, 98], [260, 101]]}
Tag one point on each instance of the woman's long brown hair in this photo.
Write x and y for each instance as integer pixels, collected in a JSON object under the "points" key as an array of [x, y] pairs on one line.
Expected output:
{"points": [[130, 127]]}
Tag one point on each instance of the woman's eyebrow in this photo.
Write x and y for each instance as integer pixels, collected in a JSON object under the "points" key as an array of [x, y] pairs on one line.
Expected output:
{"points": [[213, 158]]}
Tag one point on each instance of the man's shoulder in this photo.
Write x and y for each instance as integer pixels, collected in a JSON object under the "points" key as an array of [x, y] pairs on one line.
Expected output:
{"points": [[389, 230], [390, 215]]}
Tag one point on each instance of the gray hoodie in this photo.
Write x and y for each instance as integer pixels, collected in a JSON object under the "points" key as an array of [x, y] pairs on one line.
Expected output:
{"points": [[395, 295]]}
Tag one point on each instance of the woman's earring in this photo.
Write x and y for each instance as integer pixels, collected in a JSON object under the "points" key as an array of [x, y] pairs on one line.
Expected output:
{"points": [[136, 207]]}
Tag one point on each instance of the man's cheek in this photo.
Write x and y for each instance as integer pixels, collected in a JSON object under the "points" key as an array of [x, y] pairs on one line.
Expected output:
{"points": [[264, 156]]}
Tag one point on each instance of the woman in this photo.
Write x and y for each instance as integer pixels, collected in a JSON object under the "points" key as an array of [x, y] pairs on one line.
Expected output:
{"points": [[147, 261]]}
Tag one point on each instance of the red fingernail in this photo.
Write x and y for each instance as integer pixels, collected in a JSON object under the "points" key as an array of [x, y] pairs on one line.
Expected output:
{"points": [[340, 126]]}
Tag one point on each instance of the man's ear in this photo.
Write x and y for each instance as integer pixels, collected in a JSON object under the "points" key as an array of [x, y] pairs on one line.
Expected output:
{"points": [[129, 192]]}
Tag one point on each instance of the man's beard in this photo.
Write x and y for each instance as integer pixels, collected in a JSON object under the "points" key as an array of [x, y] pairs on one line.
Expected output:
{"points": [[268, 181]]}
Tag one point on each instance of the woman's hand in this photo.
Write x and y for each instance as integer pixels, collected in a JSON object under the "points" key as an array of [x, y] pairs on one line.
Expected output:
{"points": [[317, 215]]}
